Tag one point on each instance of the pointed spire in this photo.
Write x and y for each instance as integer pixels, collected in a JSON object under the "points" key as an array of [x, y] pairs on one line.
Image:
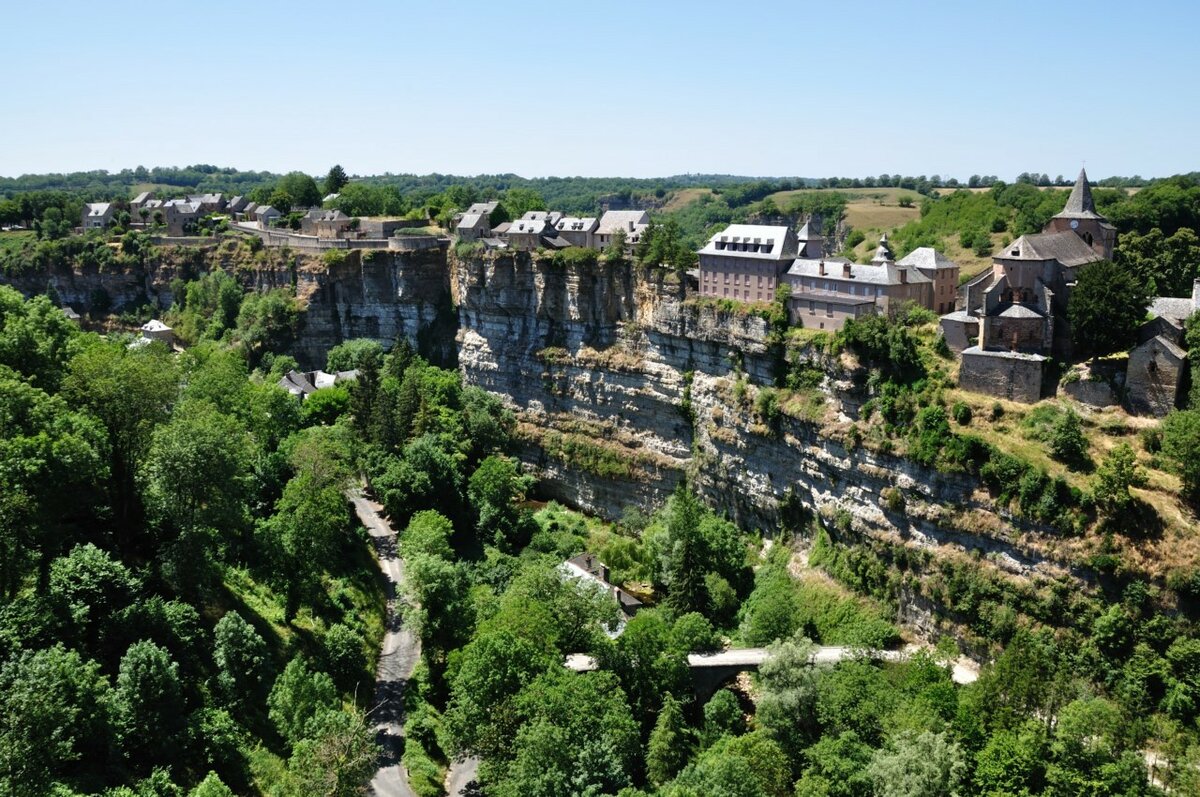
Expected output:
{"points": [[883, 254], [1080, 202]]}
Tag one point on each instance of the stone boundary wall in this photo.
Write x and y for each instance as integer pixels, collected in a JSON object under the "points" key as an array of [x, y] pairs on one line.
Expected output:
{"points": [[310, 242], [1008, 375]]}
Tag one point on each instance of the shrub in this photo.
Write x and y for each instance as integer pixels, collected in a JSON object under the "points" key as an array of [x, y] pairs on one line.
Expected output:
{"points": [[962, 413], [997, 411], [1067, 443], [893, 499]]}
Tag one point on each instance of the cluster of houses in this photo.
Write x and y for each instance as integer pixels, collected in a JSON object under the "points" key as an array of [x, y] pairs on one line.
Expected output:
{"points": [[550, 229], [1006, 324], [179, 216]]}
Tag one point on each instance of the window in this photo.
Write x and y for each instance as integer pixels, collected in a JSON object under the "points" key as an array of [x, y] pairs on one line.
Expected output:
{"points": [[812, 307], [829, 309]]}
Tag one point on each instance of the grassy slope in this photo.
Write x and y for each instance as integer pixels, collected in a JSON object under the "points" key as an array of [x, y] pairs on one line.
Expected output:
{"points": [[684, 197]]}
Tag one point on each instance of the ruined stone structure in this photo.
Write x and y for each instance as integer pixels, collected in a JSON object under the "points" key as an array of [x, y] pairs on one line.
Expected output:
{"points": [[1157, 372]]}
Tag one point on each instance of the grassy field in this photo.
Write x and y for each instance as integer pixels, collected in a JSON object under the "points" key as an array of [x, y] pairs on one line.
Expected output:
{"points": [[684, 197], [13, 241]]}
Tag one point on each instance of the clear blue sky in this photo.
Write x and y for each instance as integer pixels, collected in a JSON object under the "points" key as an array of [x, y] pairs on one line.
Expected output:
{"points": [[841, 87]]}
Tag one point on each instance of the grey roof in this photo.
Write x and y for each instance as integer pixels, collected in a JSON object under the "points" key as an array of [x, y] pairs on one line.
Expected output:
{"points": [[330, 198], [806, 233], [615, 220], [960, 315], [550, 216], [98, 208], [296, 383], [1018, 310], [528, 226], [557, 242], [471, 220], [1167, 344], [804, 294], [502, 228], [266, 210], [1065, 247], [1080, 204], [576, 224], [761, 242], [484, 208], [1172, 309], [873, 274], [926, 257], [142, 197]]}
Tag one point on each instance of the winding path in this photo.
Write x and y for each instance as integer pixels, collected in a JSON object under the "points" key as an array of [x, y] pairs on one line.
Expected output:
{"points": [[401, 650], [400, 653]]}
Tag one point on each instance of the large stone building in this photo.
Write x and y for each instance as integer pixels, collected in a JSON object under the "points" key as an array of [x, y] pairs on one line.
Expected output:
{"points": [[748, 262], [827, 292], [1019, 306], [745, 261]]}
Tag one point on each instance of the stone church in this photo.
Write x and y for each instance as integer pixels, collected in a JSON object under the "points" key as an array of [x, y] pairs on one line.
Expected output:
{"points": [[1014, 316]]}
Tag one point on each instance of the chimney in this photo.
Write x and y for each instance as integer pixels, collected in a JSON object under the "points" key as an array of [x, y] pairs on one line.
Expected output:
{"points": [[1196, 294], [846, 270], [903, 276], [821, 268], [631, 226]]}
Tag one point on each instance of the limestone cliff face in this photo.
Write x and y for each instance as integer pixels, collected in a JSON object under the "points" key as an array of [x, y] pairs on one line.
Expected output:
{"points": [[379, 295], [623, 389]]}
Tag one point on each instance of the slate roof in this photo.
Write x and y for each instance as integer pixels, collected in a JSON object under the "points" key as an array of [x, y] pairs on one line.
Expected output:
{"points": [[1167, 344], [98, 209], [470, 220], [576, 224], [926, 257], [484, 208], [1080, 204], [1173, 309], [1065, 247], [296, 383], [529, 226], [1017, 310], [550, 216], [754, 241], [154, 325], [142, 197], [591, 567], [615, 220], [872, 274]]}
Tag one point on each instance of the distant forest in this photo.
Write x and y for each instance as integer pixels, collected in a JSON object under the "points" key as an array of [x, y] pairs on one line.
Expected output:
{"points": [[571, 194]]}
